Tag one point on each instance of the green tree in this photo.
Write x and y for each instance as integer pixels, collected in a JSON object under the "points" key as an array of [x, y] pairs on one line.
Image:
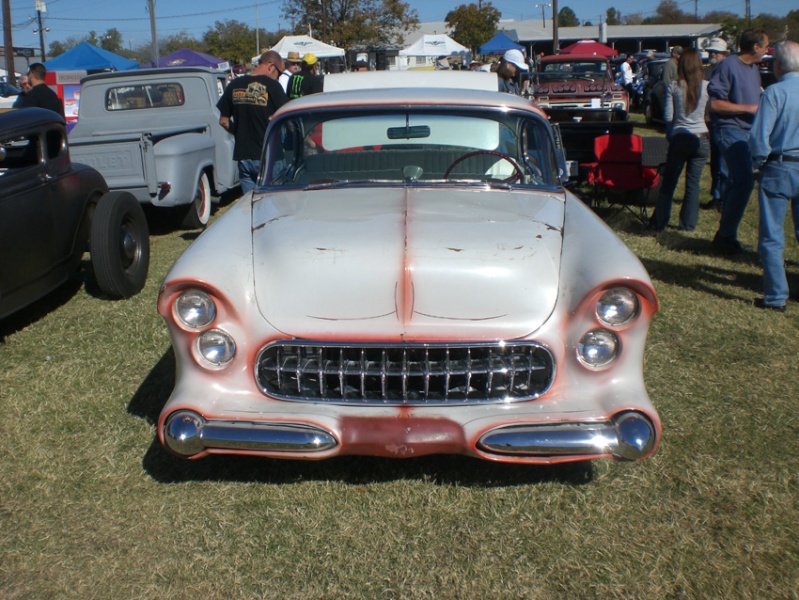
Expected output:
{"points": [[778, 28], [347, 23], [232, 40], [176, 41], [772, 24], [792, 25], [716, 16], [668, 12], [59, 47], [613, 16], [111, 40], [567, 18], [473, 26]]}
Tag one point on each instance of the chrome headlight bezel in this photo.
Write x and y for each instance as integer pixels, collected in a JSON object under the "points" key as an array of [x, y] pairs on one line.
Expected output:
{"points": [[617, 307], [194, 309], [215, 349], [598, 348]]}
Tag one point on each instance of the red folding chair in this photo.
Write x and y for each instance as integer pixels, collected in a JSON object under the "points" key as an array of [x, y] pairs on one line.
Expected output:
{"points": [[619, 168]]}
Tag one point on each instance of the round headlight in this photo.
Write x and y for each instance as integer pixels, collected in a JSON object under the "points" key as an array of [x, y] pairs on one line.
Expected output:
{"points": [[195, 309], [598, 347], [617, 306], [216, 347]]}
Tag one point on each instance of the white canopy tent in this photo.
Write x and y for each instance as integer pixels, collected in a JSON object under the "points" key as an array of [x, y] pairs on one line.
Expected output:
{"points": [[434, 45], [423, 52], [303, 44]]}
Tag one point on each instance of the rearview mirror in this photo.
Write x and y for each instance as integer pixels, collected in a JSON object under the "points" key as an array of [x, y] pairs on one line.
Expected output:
{"points": [[408, 132]]}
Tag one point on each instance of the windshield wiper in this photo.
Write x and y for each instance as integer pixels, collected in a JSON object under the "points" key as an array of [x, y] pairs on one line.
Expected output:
{"points": [[327, 184]]}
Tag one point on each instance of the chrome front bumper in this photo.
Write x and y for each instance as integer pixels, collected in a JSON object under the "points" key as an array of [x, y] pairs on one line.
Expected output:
{"points": [[187, 434], [627, 436]]}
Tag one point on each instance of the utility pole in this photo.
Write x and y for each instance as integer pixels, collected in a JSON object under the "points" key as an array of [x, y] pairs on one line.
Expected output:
{"points": [[40, 8], [325, 35], [555, 40], [154, 50], [8, 43], [543, 19], [257, 33]]}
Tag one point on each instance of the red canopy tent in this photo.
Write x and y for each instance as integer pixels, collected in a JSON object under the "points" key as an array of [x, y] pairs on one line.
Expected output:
{"points": [[589, 47]]}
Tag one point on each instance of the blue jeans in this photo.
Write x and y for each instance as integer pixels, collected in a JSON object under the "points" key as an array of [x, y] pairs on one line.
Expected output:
{"points": [[779, 188], [684, 149], [248, 174], [734, 144], [718, 170]]}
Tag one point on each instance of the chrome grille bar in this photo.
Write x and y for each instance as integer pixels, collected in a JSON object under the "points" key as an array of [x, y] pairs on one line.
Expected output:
{"points": [[404, 374]]}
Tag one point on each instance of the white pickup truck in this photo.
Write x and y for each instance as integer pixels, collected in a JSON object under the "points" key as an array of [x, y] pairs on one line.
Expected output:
{"points": [[155, 133]]}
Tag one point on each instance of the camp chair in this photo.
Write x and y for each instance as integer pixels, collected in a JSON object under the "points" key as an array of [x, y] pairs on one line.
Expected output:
{"points": [[619, 167]]}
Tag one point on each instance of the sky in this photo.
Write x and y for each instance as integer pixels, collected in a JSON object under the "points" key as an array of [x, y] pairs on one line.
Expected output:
{"points": [[68, 18]]}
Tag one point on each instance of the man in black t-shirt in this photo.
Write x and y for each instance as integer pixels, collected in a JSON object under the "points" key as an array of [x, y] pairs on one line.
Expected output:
{"points": [[39, 95], [245, 109]]}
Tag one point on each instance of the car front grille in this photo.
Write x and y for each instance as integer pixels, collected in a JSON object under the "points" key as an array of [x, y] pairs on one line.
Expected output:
{"points": [[404, 374]]}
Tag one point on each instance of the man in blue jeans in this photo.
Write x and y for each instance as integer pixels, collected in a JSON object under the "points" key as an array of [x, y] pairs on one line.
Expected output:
{"points": [[717, 50], [245, 109], [734, 95], [774, 143]]}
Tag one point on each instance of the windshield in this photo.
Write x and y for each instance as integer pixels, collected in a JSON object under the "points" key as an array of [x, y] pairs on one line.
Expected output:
{"points": [[574, 70], [408, 146]]}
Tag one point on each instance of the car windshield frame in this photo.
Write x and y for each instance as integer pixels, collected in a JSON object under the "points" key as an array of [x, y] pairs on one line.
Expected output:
{"points": [[576, 69], [409, 145]]}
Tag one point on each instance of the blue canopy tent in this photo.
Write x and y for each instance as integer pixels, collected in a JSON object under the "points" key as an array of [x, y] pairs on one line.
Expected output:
{"points": [[499, 44], [191, 58], [89, 58]]}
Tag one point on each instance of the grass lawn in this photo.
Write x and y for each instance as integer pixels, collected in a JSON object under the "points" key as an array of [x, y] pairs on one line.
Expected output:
{"points": [[91, 507]]}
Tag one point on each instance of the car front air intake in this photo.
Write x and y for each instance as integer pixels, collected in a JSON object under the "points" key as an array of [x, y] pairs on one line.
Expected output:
{"points": [[404, 374]]}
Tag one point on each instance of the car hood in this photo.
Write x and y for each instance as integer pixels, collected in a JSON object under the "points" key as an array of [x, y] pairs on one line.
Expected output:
{"points": [[407, 263]]}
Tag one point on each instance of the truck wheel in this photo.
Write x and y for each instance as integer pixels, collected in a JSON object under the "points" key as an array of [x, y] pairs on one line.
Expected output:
{"points": [[199, 210], [120, 245]]}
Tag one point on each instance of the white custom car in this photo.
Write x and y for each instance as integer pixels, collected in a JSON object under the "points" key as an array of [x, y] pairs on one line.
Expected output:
{"points": [[409, 278]]}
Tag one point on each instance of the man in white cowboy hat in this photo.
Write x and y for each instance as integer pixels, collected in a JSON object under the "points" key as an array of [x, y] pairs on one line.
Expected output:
{"points": [[717, 51], [510, 66], [293, 64]]}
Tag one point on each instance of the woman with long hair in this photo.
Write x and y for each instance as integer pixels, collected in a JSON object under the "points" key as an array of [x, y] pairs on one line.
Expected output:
{"points": [[689, 144]]}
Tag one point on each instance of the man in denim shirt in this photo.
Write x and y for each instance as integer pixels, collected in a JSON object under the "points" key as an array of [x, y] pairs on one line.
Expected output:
{"points": [[734, 94], [774, 143]]}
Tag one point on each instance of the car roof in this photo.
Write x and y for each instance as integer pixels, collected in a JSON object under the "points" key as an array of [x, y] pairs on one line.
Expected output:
{"points": [[572, 57], [411, 97], [24, 118], [465, 80], [135, 73]]}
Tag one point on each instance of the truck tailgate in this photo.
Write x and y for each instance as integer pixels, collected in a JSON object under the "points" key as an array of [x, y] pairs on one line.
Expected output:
{"points": [[126, 162]]}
